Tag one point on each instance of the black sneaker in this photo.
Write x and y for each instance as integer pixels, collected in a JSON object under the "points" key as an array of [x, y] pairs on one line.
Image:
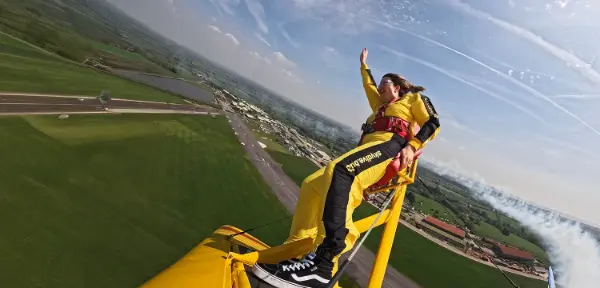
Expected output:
{"points": [[262, 270], [312, 271]]}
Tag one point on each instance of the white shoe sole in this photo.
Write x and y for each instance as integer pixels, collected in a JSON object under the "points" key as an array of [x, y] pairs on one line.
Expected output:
{"points": [[274, 280]]}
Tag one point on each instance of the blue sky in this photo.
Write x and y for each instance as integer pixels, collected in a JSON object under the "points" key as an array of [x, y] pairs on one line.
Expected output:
{"points": [[516, 85]]}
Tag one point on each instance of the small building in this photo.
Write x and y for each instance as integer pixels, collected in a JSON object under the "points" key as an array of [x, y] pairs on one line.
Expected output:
{"points": [[512, 253], [324, 155], [443, 230], [540, 271]]}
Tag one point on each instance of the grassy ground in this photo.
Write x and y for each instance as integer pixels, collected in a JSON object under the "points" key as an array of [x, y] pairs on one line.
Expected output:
{"points": [[120, 52], [297, 168], [270, 142], [487, 230], [80, 30], [429, 206], [268, 139], [111, 200], [27, 69]]}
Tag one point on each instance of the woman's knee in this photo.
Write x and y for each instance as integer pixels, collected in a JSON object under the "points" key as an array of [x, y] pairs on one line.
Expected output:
{"points": [[312, 178]]}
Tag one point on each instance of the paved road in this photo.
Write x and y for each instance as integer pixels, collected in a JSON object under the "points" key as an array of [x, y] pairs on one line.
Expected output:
{"points": [[30, 103], [285, 189], [287, 192]]}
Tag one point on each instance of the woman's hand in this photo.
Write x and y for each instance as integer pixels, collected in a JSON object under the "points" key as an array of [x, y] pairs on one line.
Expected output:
{"points": [[407, 154], [363, 56]]}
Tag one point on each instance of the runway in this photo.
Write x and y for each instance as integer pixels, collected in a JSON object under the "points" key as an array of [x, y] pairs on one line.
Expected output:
{"points": [[287, 191], [14, 103]]}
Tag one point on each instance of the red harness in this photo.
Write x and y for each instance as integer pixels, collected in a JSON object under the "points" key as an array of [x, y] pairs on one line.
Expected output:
{"points": [[386, 123]]}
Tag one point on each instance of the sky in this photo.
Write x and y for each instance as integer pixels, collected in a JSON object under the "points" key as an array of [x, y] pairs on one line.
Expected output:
{"points": [[516, 85]]}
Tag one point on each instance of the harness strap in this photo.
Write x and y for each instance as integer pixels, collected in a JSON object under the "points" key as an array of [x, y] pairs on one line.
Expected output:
{"points": [[386, 123]]}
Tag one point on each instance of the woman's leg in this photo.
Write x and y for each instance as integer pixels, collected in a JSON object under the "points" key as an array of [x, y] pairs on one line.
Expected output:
{"points": [[350, 176], [308, 211], [342, 183]]}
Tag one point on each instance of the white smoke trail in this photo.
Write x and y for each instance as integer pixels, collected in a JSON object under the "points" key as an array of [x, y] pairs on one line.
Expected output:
{"points": [[574, 252]]}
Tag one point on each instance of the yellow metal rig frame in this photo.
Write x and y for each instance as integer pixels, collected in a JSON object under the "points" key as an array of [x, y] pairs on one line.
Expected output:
{"points": [[283, 252], [218, 261]]}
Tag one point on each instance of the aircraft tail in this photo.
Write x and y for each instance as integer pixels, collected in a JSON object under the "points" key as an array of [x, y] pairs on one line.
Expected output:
{"points": [[551, 283]]}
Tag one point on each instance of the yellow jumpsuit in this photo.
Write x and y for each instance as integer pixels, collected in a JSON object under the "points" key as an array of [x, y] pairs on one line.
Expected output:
{"points": [[329, 196]]}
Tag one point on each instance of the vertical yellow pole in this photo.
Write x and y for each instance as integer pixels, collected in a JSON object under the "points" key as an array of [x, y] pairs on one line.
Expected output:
{"points": [[387, 239], [241, 278]]}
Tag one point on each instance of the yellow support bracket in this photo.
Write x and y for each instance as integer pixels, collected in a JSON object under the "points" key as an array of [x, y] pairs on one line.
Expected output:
{"points": [[391, 220]]}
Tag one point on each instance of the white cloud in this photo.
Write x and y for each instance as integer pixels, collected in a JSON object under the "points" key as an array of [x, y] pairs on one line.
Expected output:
{"points": [[572, 147], [348, 16], [512, 69], [502, 170], [577, 96], [258, 12], [287, 36], [575, 253], [232, 39], [572, 60], [331, 50], [278, 56], [173, 6], [443, 71], [214, 28], [227, 36], [332, 58], [501, 74], [217, 7], [262, 39], [226, 5], [453, 127], [260, 57], [292, 76]]}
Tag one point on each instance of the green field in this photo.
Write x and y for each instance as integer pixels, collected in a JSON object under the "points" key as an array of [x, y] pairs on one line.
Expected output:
{"points": [[110, 200], [270, 142], [120, 52], [27, 69], [487, 230], [297, 168], [430, 207], [80, 30]]}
